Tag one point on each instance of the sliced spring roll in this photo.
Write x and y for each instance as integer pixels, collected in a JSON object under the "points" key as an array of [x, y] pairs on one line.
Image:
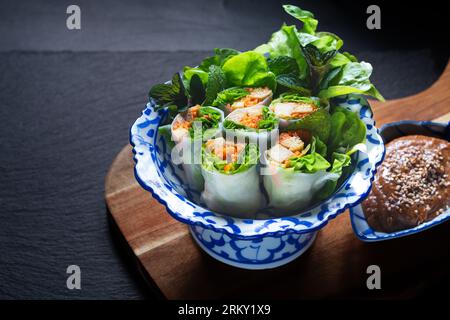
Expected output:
{"points": [[296, 172], [231, 178], [184, 134], [255, 124], [236, 98], [307, 113]]}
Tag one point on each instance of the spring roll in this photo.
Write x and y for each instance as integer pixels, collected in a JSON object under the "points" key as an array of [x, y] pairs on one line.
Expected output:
{"points": [[231, 178], [237, 98], [290, 108], [295, 172], [255, 124], [188, 136]]}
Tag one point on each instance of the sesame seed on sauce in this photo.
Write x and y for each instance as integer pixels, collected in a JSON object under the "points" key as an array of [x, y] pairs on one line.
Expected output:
{"points": [[411, 184]]}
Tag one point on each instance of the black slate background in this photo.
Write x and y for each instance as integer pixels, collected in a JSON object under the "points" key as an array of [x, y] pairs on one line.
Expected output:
{"points": [[68, 98]]}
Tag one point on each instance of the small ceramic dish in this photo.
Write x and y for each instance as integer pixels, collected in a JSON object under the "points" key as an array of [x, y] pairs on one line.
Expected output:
{"points": [[389, 132], [248, 243]]}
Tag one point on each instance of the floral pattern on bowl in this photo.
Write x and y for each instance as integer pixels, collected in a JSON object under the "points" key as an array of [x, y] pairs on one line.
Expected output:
{"points": [[156, 173]]}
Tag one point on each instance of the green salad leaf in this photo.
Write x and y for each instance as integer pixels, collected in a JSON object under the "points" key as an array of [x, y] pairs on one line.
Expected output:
{"points": [[309, 23], [248, 69], [189, 72], [318, 146], [352, 77], [347, 130], [286, 43], [312, 162], [317, 55], [268, 122], [220, 56], [248, 158], [339, 160], [209, 118], [228, 96], [203, 70]]}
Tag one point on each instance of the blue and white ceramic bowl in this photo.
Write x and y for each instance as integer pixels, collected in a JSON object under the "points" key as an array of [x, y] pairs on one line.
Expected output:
{"points": [[248, 243], [389, 132]]}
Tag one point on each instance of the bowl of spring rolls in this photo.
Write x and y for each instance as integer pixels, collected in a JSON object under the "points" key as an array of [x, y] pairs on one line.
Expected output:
{"points": [[256, 151]]}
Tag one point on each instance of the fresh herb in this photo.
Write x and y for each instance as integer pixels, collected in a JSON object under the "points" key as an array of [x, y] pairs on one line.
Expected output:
{"points": [[172, 96], [196, 90], [216, 83]]}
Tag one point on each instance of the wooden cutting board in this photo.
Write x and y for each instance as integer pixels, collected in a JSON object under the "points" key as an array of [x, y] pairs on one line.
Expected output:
{"points": [[335, 266]]}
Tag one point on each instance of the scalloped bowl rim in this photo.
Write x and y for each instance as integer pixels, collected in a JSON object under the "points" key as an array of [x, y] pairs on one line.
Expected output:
{"points": [[252, 234]]}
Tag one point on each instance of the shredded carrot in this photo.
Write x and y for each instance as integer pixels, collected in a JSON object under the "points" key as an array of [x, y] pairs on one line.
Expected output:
{"points": [[228, 167], [250, 101], [251, 121], [182, 124]]}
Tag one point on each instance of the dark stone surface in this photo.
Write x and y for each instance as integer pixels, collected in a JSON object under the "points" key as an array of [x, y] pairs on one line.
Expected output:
{"points": [[65, 115]]}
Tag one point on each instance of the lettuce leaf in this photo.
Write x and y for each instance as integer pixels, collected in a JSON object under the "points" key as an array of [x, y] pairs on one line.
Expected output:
{"points": [[339, 160], [209, 118], [347, 130], [216, 83], [220, 56], [286, 43], [248, 69], [228, 96], [309, 23], [353, 77], [312, 162], [248, 158]]}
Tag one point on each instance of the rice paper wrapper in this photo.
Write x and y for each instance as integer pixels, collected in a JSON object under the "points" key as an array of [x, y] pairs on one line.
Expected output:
{"points": [[209, 133], [289, 190], [188, 153], [263, 138], [236, 195]]}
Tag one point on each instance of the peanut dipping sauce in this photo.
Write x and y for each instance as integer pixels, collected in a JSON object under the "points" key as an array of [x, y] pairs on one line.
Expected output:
{"points": [[412, 184]]}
